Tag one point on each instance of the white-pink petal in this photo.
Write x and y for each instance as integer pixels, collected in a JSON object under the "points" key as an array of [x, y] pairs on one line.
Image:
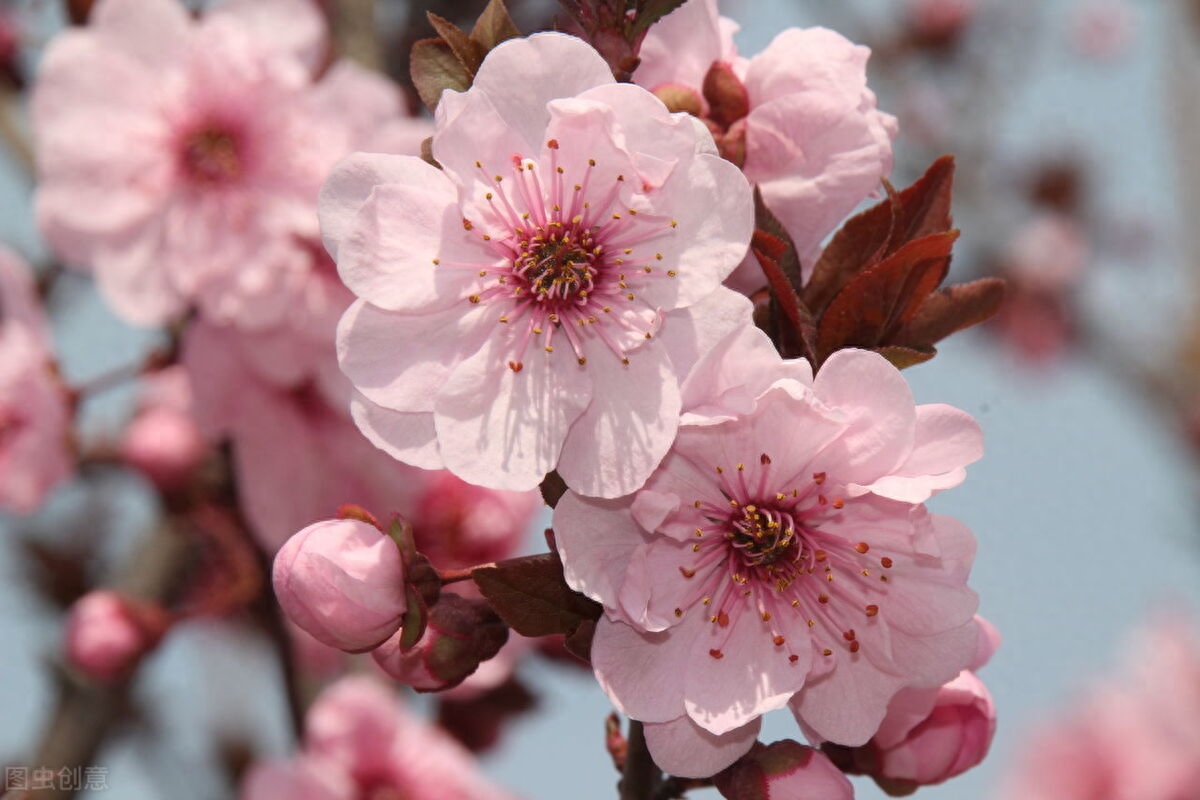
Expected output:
{"points": [[681, 747]]}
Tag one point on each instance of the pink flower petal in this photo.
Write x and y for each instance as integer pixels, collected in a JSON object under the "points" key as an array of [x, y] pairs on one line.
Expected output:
{"points": [[643, 672], [593, 538], [681, 747], [406, 436], [156, 32], [293, 28], [406, 378], [625, 431], [504, 429]]}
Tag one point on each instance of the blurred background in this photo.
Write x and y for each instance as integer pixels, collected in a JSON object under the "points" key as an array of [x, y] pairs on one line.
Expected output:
{"points": [[1076, 124]]}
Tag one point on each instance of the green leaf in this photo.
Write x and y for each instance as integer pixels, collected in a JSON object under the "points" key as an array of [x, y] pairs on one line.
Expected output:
{"points": [[416, 617], [468, 52], [905, 357], [531, 595], [494, 26], [434, 69]]}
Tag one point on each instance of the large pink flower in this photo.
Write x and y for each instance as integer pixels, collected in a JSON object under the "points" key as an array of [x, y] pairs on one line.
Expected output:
{"points": [[533, 304], [35, 416], [782, 556], [361, 742], [160, 170], [798, 117]]}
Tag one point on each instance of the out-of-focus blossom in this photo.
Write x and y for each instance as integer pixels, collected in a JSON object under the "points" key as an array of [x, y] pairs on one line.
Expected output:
{"points": [[1043, 265], [460, 635], [1102, 29], [361, 742], [106, 634], [160, 171], [343, 582], [559, 273], [939, 23], [784, 769], [163, 441], [297, 454], [1133, 737], [35, 414], [798, 117], [781, 557], [458, 525]]}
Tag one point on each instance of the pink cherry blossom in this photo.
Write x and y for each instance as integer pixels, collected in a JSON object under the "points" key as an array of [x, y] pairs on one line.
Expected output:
{"points": [[560, 273], [343, 582], [35, 414], [106, 634], [159, 171], [798, 117], [360, 741], [782, 557], [297, 455]]}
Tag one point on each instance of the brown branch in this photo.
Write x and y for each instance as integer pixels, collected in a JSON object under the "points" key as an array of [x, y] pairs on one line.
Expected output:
{"points": [[642, 777]]}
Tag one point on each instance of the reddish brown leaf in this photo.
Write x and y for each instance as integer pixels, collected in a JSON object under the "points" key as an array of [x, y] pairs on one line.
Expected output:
{"points": [[531, 595], [469, 52], [771, 253], [434, 69], [876, 302], [918, 211], [951, 310], [494, 26]]}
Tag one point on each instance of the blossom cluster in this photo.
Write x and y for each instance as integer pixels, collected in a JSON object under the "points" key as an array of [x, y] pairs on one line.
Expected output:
{"points": [[605, 290]]}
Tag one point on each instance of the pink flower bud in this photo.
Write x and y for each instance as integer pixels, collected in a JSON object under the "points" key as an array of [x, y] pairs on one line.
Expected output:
{"points": [[343, 582], [164, 445], [460, 635], [107, 634], [952, 739], [783, 769]]}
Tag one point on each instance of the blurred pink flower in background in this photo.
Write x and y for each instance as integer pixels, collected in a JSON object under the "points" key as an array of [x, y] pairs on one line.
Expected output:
{"points": [[458, 525], [555, 272], [106, 634], [753, 571], [35, 415], [361, 742], [297, 455], [798, 117], [1132, 737], [162, 441], [940, 20], [159, 171]]}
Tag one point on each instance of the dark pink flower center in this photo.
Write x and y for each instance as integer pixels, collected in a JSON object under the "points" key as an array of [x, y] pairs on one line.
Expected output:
{"points": [[573, 258], [211, 155], [775, 551]]}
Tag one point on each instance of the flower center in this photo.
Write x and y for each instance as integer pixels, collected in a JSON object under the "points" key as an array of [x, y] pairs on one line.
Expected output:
{"points": [[211, 155], [558, 264], [10, 424], [764, 536], [572, 256]]}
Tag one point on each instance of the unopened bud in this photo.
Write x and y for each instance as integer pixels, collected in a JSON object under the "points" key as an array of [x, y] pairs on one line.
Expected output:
{"points": [[163, 444], [728, 100], [342, 581], [460, 635], [108, 633], [954, 737], [783, 769]]}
